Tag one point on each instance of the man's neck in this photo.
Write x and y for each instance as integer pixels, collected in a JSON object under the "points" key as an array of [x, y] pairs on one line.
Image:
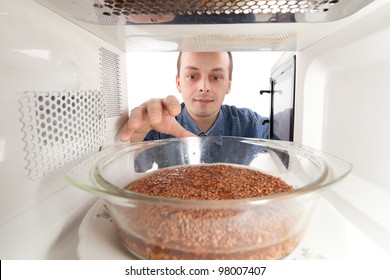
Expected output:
{"points": [[205, 123]]}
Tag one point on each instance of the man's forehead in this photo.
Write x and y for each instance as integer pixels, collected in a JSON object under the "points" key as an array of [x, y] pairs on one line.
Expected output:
{"points": [[205, 61], [223, 56]]}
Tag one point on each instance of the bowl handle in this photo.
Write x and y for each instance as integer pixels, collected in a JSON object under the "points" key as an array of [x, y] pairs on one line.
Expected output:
{"points": [[81, 175]]}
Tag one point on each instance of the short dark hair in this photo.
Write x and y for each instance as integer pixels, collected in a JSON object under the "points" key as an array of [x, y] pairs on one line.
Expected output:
{"points": [[230, 65]]}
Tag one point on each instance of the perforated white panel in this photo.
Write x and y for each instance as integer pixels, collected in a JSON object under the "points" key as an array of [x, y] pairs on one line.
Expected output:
{"points": [[247, 42], [60, 127], [110, 75]]}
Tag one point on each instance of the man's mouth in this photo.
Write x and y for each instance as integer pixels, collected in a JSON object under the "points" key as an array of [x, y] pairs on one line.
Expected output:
{"points": [[203, 100]]}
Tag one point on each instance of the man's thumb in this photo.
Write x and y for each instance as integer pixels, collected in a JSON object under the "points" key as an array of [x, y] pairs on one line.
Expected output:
{"points": [[178, 131]]}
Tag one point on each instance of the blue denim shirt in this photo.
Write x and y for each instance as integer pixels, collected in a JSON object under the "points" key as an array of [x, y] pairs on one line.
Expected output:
{"points": [[231, 121]]}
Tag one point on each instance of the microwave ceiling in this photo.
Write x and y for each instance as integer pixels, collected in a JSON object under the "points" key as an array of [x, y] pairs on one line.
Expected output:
{"points": [[141, 12], [207, 25]]}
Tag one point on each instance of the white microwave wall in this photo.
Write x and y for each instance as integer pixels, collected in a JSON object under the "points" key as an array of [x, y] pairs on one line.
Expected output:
{"points": [[341, 107], [62, 95]]}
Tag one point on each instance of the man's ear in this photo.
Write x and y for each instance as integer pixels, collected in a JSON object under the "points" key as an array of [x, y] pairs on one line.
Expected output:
{"points": [[178, 83], [229, 87]]}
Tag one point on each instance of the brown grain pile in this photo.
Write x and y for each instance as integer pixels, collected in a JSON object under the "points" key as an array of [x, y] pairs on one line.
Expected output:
{"points": [[210, 182], [169, 231]]}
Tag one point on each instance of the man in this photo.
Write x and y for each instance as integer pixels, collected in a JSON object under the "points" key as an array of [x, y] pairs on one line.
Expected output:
{"points": [[203, 79]]}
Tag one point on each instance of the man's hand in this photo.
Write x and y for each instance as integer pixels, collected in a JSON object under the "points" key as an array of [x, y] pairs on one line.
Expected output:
{"points": [[157, 114]]}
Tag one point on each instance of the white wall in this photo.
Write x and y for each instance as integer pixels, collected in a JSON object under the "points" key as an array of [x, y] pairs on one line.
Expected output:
{"points": [[152, 74], [38, 216], [342, 105]]}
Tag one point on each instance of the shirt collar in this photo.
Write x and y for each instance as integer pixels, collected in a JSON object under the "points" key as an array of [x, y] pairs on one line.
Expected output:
{"points": [[218, 126], [189, 124]]}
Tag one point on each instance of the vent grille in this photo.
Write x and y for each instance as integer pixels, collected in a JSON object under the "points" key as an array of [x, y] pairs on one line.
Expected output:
{"points": [[110, 77], [245, 42], [133, 12], [60, 127], [210, 7]]}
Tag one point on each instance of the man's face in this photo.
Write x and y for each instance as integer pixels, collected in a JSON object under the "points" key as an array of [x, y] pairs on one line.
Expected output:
{"points": [[203, 82]]}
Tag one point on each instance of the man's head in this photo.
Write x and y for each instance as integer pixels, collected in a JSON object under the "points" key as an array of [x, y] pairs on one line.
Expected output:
{"points": [[203, 79]]}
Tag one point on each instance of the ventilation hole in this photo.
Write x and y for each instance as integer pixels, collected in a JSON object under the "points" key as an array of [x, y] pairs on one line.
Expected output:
{"points": [[53, 137], [208, 7], [110, 77], [265, 41]]}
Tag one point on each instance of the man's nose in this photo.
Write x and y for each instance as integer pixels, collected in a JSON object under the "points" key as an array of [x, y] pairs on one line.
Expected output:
{"points": [[204, 85]]}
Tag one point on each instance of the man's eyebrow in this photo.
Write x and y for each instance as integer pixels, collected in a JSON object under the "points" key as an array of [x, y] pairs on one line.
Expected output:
{"points": [[189, 67], [217, 69]]}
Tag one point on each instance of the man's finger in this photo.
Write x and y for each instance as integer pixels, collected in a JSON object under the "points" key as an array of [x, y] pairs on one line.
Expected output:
{"points": [[125, 133], [134, 122], [154, 109], [179, 131], [172, 105], [135, 118]]}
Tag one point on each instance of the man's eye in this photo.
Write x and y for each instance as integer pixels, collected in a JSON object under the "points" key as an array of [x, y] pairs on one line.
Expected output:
{"points": [[191, 77], [217, 78]]}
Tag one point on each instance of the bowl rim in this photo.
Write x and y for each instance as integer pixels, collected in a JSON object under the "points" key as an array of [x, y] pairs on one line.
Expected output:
{"points": [[118, 195]]}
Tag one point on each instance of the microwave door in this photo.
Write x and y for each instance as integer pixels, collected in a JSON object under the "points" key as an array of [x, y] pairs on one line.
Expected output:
{"points": [[282, 101]]}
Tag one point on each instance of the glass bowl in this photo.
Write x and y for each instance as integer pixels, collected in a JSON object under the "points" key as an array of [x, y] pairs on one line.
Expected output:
{"points": [[153, 227]]}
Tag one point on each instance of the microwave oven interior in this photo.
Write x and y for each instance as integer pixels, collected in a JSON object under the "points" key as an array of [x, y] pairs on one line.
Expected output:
{"points": [[58, 56]]}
